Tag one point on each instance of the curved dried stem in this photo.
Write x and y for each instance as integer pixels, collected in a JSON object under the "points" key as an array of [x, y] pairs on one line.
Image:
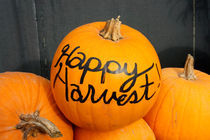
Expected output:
{"points": [[33, 124]]}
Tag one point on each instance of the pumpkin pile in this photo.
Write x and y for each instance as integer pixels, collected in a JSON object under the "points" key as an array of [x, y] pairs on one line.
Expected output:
{"points": [[106, 79]]}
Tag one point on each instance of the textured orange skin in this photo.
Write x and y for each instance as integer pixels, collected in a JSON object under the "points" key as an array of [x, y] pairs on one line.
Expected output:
{"points": [[24, 93], [133, 48], [138, 130], [182, 110]]}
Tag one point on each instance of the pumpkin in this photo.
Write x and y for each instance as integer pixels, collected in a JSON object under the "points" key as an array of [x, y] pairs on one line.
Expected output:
{"points": [[138, 130], [182, 110], [28, 110], [105, 75]]}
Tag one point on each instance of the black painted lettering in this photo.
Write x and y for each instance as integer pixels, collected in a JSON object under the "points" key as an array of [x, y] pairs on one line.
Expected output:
{"points": [[76, 59]]}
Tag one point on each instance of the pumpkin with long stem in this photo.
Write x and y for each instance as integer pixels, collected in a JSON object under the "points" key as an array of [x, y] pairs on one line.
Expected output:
{"points": [[182, 110], [28, 110], [138, 130], [105, 75]]}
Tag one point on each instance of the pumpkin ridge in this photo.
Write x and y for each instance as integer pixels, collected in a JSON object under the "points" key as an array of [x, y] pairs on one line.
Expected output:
{"points": [[158, 110], [24, 96], [92, 116], [77, 112], [183, 113], [198, 121], [14, 91], [38, 104], [7, 129]]}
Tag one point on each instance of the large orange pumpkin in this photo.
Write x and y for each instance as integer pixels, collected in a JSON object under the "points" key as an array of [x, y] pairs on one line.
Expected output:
{"points": [[182, 110], [139, 130], [28, 110], [102, 79]]}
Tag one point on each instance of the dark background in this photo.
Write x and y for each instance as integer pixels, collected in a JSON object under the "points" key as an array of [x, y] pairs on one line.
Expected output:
{"points": [[31, 30]]}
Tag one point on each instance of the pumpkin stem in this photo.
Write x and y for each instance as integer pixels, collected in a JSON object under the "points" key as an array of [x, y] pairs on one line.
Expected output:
{"points": [[188, 73], [32, 124], [111, 30]]}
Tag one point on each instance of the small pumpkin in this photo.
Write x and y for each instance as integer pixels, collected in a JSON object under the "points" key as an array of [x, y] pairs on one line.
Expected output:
{"points": [[28, 110], [105, 75], [138, 130], [182, 110]]}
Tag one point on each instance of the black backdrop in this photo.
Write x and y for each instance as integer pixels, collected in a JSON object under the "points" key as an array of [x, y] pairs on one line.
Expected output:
{"points": [[30, 30]]}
